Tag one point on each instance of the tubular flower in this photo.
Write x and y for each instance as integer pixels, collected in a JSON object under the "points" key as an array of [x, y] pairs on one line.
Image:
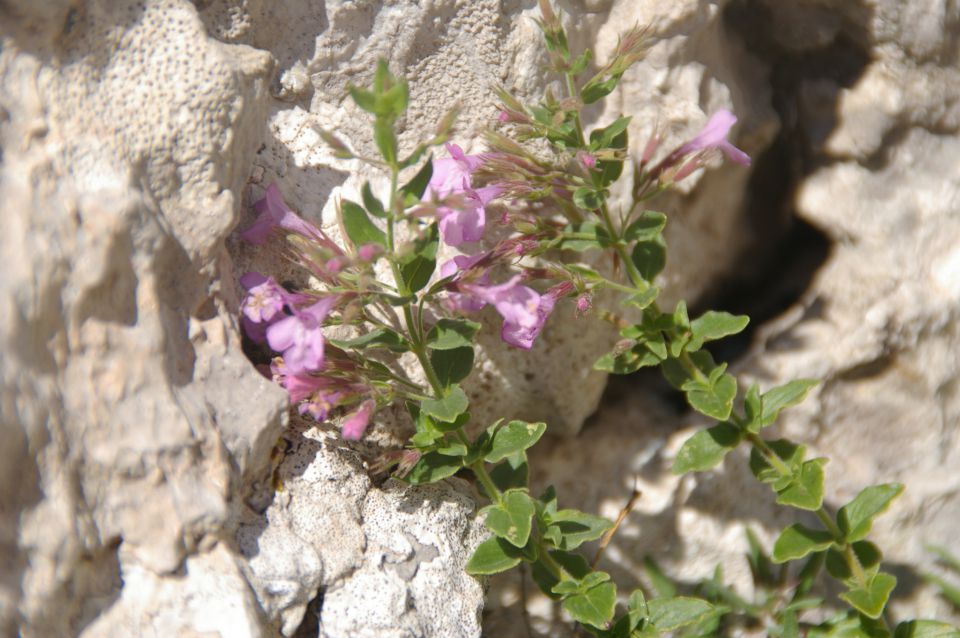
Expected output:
{"points": [[274, 213], [522, 331], [300, 338], [356, 423], [712, 136], [464, 222]]}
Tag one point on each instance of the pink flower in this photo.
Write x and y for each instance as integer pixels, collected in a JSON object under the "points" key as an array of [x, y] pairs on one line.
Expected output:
{"points": [[714, 135], [274, 213], [586, 159], [263, 304], [451, 176], [584, 303], [522, 331], [462, 302], [356, 424], [264, 300], [300, 338]]}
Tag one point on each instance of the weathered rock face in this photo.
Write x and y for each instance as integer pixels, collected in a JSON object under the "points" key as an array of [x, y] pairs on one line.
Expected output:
{"points": [[137, 490]]}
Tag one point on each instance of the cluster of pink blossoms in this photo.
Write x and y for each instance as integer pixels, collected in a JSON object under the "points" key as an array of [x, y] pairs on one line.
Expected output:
{"points": [[523, 309], [291, 324]]}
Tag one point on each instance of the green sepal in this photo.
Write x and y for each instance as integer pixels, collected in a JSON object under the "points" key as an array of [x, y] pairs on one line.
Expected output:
{"points": [[514, 437], [856, 517], [707, 448], [385, 138], [797, 541], [358, 227], [448, 334]]}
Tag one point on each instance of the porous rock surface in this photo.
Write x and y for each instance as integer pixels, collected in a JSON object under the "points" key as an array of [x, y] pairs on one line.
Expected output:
{"points": [[144, 491]]}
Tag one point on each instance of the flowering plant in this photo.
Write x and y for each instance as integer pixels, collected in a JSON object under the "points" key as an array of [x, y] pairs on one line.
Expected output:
{"points": [[553, 208]]}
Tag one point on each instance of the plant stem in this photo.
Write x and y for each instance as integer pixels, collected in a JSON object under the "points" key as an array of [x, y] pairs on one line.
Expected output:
{"points": [[478, 469]]}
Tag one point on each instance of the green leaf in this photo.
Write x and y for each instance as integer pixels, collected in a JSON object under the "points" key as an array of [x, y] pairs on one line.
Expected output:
{"points": [[662, 585], [593, 607], [797, 541], [448, 408], [433, 467], [363, 98], [789, 452], [584, 236], [644, 299], [586, 198], [627, 362], [394, 101], [604, 137], [493, 556], [782, 397], [714, 325], [417, 266], [574, 564], [413, 190], [358, 226], [378, 338], [571, 528], [714, 401], [871, 600], [514, 437], [452, 366], [856, 517], [385, 138], [805, 489], [637, 609], [650, 257], [514, 471], [647, 227], [925, 629], [511, 519], [373, 205], [448, 334], [453, 448], [706, 449], [752, 408], [668, 614], [599, 87]]}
